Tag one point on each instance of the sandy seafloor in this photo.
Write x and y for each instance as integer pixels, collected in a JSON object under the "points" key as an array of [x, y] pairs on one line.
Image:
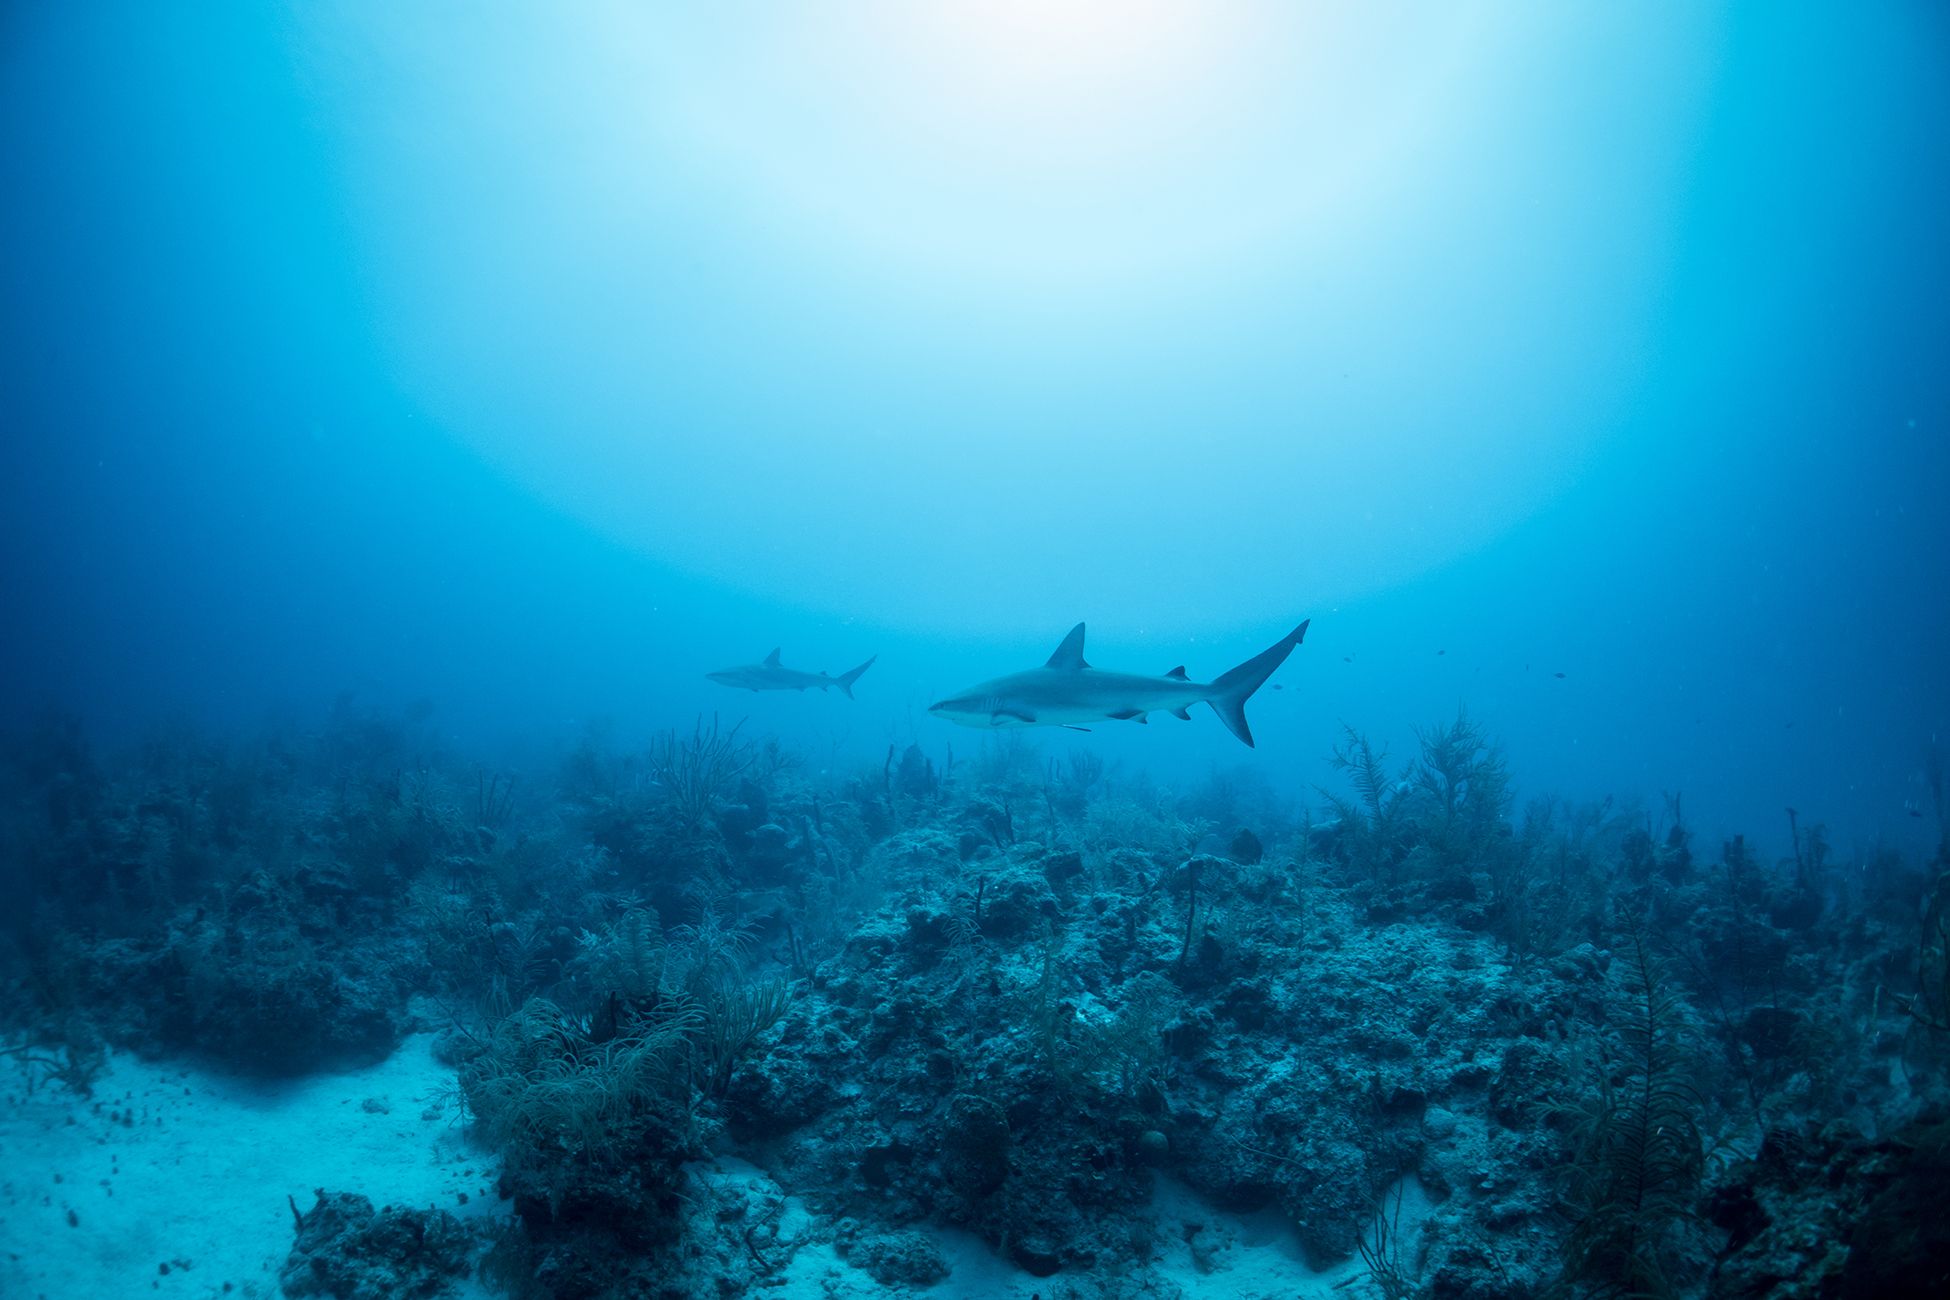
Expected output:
{"points": [[173, 1181], [1251, 1257], [177, 1179]]}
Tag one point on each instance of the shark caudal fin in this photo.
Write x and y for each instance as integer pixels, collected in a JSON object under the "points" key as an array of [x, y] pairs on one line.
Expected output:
{"points": [[845, 680], [1230, 692]]}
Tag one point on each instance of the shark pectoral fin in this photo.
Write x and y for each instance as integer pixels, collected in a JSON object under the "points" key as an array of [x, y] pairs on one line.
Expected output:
{"points": [[1183, 715], [995, 719], [1130, 715]]}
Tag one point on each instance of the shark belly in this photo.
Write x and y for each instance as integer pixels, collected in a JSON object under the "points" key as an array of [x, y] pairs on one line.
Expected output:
{"points": [[1043, 698], [1068, 692]]}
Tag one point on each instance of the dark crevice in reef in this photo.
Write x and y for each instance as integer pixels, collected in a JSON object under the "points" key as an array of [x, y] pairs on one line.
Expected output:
{"points": [[1015, 997]]}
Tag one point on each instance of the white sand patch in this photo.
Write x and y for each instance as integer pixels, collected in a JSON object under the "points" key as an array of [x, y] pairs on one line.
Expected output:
{"points": [[172, 1166], [1200, 1252], [1207, 1251]]}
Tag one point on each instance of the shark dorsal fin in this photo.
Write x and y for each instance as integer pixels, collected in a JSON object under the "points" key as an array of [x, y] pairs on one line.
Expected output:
{"points": [[1070, 653], [772, 660], [1179, 673]]}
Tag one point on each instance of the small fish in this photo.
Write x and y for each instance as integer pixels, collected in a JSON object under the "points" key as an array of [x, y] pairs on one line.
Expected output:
{"points": [[1442, 652], [1278, 687], [1559, 676], [1347, 659]]}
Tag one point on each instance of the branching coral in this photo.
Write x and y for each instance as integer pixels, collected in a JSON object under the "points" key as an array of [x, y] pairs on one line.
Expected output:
{"points": [[542, 1077], [675, 1015], [1637, 1154], [1366, 770], [624, 958], [732, 1022], [1929, 1007], [695, 770], [1380, 1248], [1463, 775], [1130, 1051], [1367, 833], [75, 1058]]}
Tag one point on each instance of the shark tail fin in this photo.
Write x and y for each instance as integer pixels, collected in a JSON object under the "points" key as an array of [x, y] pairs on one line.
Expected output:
{"points": [[1231, 691], [845, 680]]}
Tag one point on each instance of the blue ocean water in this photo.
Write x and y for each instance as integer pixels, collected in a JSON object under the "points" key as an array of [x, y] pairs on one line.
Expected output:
{"points": [[535, 366], [494, 375]]}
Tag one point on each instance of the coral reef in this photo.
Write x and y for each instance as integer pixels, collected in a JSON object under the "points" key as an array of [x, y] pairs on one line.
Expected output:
{"points": [[713, 1016], [346, 1250]]}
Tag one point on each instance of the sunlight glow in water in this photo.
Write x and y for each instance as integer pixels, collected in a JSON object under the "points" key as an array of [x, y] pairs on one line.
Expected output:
{"points": [[1026, 311], [1073, 140]]}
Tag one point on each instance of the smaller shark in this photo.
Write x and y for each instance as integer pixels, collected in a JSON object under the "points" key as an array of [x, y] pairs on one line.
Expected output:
{"points": [[1067, 691], [774, 676]]}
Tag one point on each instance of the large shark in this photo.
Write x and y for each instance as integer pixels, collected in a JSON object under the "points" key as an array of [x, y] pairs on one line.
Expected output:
{"points": [[1066, 692], [774, 676]]}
